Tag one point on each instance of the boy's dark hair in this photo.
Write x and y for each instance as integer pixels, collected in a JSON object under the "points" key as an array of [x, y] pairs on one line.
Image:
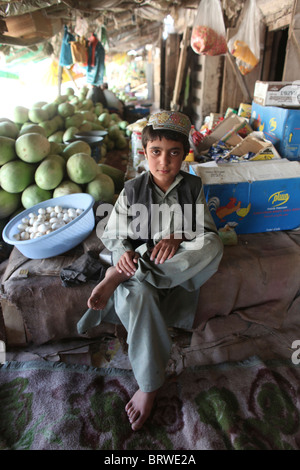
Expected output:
{"points": [[150, 134]]}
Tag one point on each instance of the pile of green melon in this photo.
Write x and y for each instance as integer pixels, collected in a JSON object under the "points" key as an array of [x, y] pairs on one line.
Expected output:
{"points": [[39, 159]]}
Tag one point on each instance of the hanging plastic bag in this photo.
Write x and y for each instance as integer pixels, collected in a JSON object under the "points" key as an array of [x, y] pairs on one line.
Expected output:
{"points": [[79, 52], [245, 44], [208, 33]]}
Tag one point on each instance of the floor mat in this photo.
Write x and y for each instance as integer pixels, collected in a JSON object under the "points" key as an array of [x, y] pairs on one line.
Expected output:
{"points": [[235, 405]]}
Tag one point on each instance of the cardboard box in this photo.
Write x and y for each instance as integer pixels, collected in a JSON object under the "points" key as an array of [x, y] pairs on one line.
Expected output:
{"points": [[30, 25], [281, 126], [252, 196], [245, 110], [286, 94], [230, 126], [256, 144]]}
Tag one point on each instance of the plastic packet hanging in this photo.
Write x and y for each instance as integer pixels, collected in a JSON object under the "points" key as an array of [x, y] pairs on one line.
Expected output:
{"points": [[245, 44], [79, 52], [208, 33]]}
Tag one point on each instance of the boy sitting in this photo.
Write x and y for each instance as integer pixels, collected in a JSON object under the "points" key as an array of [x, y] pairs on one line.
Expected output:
{"points": [[160, 258]]}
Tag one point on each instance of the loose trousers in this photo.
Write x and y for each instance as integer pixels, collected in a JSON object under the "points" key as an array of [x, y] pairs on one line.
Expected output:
{"points": [[155, 298]]}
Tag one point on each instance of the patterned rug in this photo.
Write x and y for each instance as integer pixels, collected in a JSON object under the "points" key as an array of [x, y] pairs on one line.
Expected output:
{"points": [[237, 405]]}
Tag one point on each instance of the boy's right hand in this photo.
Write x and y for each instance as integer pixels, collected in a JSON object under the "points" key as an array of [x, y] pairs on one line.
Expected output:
{"points": [[127, 263]]}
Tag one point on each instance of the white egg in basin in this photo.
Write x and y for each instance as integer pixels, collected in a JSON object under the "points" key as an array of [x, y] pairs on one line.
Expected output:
{"points": [[51, 227]]}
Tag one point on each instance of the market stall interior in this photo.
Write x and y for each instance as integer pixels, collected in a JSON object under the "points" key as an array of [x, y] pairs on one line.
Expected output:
{"points": [[80, 81]]}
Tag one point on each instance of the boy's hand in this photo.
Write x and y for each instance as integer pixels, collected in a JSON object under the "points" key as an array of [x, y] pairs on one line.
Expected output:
{"points": [[165, 249], [127, 263]]}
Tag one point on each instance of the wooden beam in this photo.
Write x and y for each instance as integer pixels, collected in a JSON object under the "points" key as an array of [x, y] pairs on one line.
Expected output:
{"points": [[279, 23], [19, 42], [240, 79], [69, 72], [60, 72], [291, 69], [3, 26], [296, 43], [171, 65], [181, 68]]}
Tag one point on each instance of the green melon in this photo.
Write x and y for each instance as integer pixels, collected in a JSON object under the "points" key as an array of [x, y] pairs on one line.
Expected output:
{"points": [[114, 132], [34, 195], [39, 104], [51, 109], [20, 114], [85, 127], [55, 148], [33, 128], [121, 142], [102, 188], [49, 173], [74, 121], [98, 109], [116, 175], [73, 100], [56, 137], [7, 150], [58, 158], [32, 147], [69, 133], [59, 122], [81, 168], [66, 187], [69, 91], [104, 118], [66, 109], [97, 126], [115, 117], [9, 129], [79, 146], [37, 115], [123, 124], [15, 176], [9, 203], [89, 116], [61, 99], [49, 127]]}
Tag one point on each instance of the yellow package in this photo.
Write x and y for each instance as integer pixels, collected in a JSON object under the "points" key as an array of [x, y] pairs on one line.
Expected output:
{"points": [[245, 44], [246, 59]]}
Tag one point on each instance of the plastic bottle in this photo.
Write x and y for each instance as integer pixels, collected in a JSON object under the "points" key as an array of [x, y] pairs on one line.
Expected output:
{"points": [[137, 150]]}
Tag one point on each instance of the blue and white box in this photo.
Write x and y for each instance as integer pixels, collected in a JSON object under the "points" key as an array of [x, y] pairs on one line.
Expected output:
{"points": [[281, 126], [252, 197]]}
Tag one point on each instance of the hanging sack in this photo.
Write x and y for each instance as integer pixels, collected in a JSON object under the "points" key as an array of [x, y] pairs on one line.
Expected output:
{"points": [[245, 44], [208, 33], [79, 52]]}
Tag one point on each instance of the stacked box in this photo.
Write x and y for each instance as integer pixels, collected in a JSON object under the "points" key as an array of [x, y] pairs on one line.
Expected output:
{"points": [[252, 196], [281, 126], [282, 94]]}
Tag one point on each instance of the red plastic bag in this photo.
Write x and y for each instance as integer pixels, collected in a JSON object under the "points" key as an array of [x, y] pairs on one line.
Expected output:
{"points": [[208, 33]]}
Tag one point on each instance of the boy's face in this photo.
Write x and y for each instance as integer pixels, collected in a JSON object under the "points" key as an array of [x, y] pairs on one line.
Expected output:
{"points": [[164, 158]]}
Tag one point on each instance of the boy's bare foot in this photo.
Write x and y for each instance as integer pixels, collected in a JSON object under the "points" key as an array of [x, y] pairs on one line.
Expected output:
{"points": [[139, 408], [104, 290]]}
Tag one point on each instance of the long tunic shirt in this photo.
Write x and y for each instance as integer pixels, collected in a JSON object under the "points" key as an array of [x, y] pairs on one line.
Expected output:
{"points": [[158, 295]]}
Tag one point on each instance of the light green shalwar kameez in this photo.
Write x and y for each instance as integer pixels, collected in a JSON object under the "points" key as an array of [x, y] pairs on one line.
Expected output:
{"points": [[158, 295]]}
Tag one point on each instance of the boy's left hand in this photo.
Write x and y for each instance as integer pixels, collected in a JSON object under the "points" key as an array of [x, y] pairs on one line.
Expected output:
{"points": [[165, 249]]}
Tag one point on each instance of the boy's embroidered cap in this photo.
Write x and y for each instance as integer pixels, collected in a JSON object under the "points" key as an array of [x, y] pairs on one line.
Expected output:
{"points": [[172, 120]]}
